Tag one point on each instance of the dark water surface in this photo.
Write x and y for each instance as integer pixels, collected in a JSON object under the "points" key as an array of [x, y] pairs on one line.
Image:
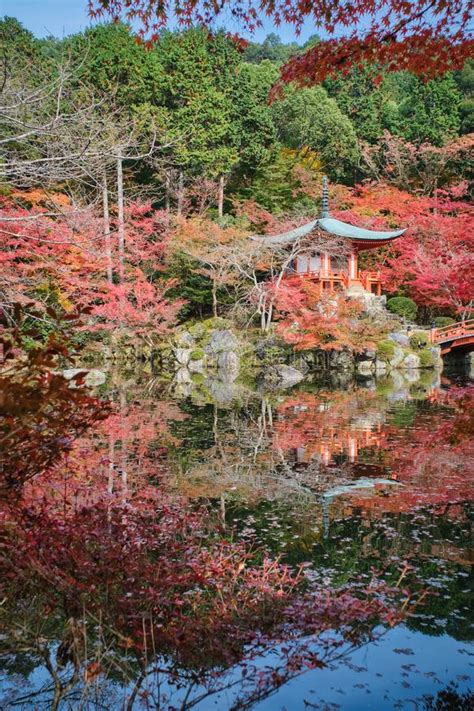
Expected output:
{"points": [[343, 477]]}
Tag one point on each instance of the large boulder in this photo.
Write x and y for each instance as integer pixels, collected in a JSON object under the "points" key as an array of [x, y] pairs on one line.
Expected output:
{"points": [[222, 340], [183, 339], [397, 358], [183, 355], [196, 366], [182, 376], [90, 378], [228, 364], [401, 338], [282, 376], [411, 361]]}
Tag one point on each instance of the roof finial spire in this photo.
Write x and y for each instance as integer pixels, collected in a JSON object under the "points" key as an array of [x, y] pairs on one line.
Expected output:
{"points": [[325, 200]]}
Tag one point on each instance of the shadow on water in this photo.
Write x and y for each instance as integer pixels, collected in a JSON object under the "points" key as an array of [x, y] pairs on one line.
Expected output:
{"points": [[357, 482]]}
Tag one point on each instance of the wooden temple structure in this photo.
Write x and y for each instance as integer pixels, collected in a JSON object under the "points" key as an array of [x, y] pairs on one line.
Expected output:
{"points": [[334, 272]]}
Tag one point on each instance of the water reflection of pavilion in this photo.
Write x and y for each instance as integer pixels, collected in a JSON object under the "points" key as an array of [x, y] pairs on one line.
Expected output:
{"points": [[331, 441], [315, 431]]}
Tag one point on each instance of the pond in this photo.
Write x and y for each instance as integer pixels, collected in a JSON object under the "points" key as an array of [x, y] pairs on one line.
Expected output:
{"points": [[347, 482]]}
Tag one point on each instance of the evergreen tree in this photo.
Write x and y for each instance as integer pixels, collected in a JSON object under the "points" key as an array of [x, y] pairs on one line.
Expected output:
{"points": [[465, 82], [308, 117], [118, 68], [197, 90], [271, 49], [362, 101], [430, 113], [253, 128]]}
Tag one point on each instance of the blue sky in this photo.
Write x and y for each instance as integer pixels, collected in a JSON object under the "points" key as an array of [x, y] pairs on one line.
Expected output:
{"points": [[64, 17]]}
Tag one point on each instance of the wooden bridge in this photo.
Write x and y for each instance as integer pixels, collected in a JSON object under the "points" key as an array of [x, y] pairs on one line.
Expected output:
{"points": [[457, 335]]}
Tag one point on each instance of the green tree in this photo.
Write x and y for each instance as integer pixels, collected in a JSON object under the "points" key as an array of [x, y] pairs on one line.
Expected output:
{"points": [[116, 66], [271, 49], [362, 101], [253, 129], [465, 81], [430, 112], [197, 90], [18, 47], [309, 117]]}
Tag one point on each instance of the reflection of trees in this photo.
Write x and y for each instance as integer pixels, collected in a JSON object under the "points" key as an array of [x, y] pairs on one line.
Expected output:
{"points": [[105, 578], [432, 459], [146, 590], [310, 443], [449, 699]]}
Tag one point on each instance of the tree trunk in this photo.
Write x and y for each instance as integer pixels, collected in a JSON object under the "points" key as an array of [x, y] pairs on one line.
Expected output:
{"points": [[121, 221], [180, 194], [269, 317], [214, 297], [108, 245], [167, 191], [220, 200]]}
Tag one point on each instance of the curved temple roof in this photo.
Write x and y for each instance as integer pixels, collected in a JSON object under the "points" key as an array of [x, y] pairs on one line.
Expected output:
{"points": [[344, 229], [332, 226]]}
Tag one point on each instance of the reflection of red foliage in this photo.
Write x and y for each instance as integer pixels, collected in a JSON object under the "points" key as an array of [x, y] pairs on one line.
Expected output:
{"points": [[159, 578], [432, 461]]}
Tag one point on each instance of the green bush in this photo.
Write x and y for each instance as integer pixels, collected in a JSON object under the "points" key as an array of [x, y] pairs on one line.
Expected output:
{"points": [[426, 358], [442, 321], [403, 306], [385, 350], [420, 339]]}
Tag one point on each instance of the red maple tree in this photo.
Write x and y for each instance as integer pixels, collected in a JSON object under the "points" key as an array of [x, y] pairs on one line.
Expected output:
{"points": [[434, 261], [60, 262]]}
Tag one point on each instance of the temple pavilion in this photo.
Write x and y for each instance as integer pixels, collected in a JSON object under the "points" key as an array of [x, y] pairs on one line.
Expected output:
{"points": [[336, 272]]}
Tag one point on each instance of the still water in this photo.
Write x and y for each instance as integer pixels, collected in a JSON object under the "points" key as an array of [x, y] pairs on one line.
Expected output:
{"points": [[351, 480]]}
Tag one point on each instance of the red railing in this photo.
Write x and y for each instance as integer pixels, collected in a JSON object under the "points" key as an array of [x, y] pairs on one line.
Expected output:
{"points": [[452, 332], [332, 278], [322, 276], [370, 278]]}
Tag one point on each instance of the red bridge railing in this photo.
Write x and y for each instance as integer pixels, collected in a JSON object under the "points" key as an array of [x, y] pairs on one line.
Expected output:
{"points": [[462, 332]]}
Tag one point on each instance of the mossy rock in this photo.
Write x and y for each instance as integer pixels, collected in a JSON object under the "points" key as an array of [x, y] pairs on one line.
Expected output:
{"points": [[198, 330], [197, 354], [197, 378], [426, 357], [418, 340], [216, 322], [386, 350]]}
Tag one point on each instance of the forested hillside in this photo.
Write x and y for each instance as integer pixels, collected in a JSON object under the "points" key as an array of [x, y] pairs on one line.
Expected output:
{"points": [[133, 174]]}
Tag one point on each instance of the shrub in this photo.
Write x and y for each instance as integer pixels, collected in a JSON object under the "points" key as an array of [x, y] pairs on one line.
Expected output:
{"points": [[426, 358], [442, 321], [385, 350], [403, 306], [420, 339]]}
